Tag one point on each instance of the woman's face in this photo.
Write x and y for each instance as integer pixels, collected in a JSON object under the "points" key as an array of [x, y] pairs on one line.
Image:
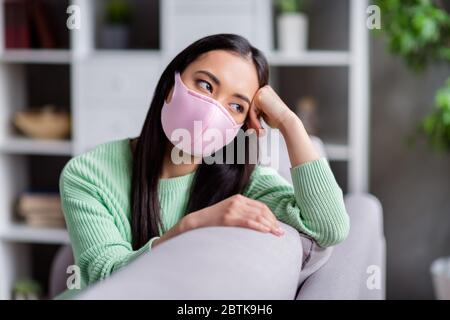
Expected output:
{"points": [[226, 77]]}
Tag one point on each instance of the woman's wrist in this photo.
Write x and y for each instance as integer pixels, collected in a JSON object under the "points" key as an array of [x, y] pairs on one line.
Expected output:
{"points": [[185, 224], [289, 122], [298, 142], [188, 222]]}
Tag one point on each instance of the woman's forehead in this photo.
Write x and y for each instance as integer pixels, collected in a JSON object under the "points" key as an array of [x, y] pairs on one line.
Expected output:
{"points": [[234, 71]]}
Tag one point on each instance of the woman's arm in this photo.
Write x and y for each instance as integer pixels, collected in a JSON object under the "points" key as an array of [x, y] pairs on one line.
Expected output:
{"points": [[278, 115], [97, 234], [182, 226], [314, 204], [298, 142]]}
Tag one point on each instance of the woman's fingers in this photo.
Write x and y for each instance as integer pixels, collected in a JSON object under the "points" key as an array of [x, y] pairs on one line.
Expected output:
{"points": [[246, 222], [245, 212], [250, 223], [262, 214], [253, 121], [273, 227], [264, 208], [256, 215]]}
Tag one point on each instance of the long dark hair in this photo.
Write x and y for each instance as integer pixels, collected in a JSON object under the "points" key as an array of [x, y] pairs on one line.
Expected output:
{"points": [[212, 182]]}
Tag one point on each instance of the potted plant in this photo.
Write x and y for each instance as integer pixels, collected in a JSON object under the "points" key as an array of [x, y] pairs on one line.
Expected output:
{"points": [[116, 28], [436, 124], [292, 26], [440, 272], [419, 32], [27, 290]]}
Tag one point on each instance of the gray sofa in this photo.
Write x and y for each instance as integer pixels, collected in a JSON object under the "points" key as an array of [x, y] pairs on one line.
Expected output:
{"points": [[344, 276], [356, 260], [355, 269]]}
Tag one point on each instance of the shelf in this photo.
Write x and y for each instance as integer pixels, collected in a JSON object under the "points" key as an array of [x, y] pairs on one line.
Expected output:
{"points": [[123, 53], [337, 151], [36, 147], [29, 234], [46, 56], [310, 58]]}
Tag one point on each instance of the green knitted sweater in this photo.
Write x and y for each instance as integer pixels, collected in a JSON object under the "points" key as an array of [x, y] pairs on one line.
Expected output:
{"points": [[95, 192]]}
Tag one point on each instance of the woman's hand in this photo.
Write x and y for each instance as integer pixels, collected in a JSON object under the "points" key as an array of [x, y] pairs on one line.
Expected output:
{"points": [[277, 114], [268, 104], [238, 211]]}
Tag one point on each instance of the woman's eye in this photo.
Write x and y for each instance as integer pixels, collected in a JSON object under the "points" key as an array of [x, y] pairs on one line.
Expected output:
{"points": [[204, 84], [237, 107]]}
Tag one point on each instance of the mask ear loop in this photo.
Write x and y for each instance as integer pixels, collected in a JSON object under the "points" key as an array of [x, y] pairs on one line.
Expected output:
{"points": [[177, 79]]}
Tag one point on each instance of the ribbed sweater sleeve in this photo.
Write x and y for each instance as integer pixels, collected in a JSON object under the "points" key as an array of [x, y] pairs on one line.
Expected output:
{"points": [[313, 204], [99, 245]]}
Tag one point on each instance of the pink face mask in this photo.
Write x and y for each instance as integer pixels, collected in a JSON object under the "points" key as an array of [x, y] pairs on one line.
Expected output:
{"points": [[195, 123]]}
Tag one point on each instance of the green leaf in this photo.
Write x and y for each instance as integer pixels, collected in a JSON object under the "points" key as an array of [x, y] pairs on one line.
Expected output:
{"points": [[443, 99]]}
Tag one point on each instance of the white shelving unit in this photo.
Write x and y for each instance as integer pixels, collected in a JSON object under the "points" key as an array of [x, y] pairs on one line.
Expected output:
{"points": [[311, 58], [128, 76], [23, 233], [16, 145], [37, 56]]}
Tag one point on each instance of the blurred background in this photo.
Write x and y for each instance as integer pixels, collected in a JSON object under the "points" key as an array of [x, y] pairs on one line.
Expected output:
{"points": [[372, 82]]}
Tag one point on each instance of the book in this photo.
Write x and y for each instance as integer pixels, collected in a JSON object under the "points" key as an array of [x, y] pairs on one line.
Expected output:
{"points": [[41, 21], [41, 209], [17, 30], [28, 23]]}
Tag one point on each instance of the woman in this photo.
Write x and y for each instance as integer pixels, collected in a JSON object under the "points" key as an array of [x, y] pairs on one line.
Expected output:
{"points": [[126, 197]]}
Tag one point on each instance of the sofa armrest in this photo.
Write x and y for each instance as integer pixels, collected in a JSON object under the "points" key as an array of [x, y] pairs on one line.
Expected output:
{"points": [[356, 268]]}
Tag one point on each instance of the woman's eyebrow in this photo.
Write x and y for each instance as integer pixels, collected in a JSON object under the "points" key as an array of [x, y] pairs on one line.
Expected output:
{"points": [[217, 82], [238, 95], [210, 75]]}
